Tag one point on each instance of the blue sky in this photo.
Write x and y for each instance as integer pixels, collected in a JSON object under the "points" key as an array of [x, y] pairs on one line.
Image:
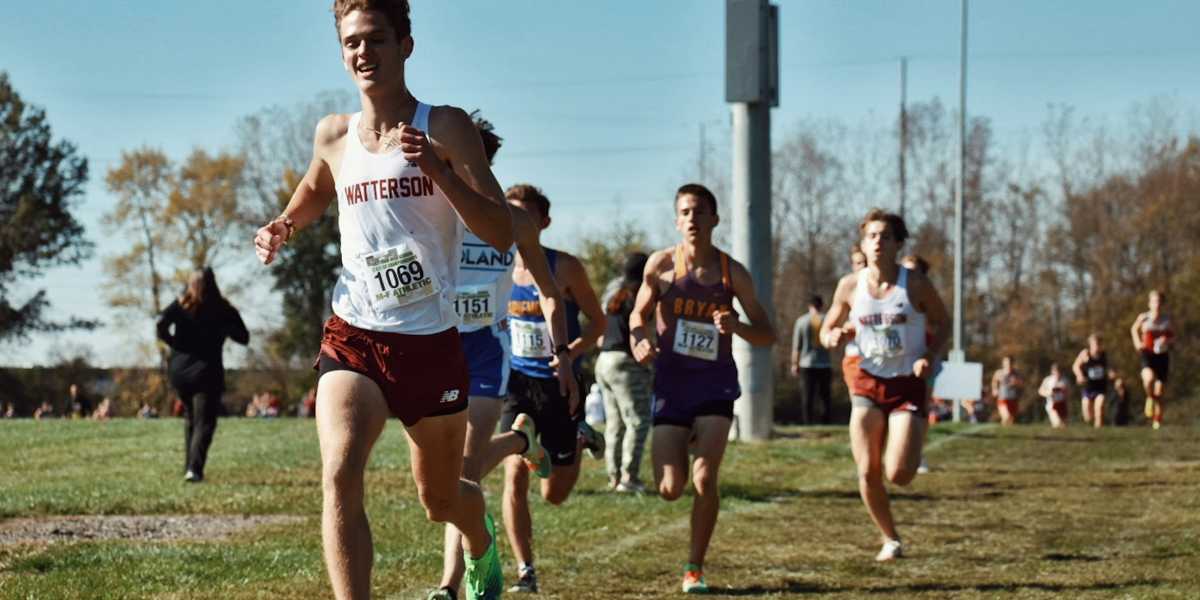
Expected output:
{"points": [[600, 103]]}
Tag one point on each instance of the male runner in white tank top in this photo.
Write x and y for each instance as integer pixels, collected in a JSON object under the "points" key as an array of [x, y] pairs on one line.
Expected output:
{"points": [[1152, 337], [889, 309], [1008, 385], [407, 177], [1054, 390]]}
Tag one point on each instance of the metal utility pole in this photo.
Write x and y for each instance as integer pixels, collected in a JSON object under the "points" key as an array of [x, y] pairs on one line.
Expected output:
{"points": [[956, 353], [903, 129], [752, 88]]}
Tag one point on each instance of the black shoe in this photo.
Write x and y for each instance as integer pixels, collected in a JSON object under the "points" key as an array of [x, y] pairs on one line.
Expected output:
{"points": [[527, 584], [442, 593], [593, 440], [193, 477]]}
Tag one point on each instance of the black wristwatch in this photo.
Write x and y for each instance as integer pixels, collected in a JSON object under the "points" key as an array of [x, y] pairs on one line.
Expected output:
{"points": [[559, 349]]}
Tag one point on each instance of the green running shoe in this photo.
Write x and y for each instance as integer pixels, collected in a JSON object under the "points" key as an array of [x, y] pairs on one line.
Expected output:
{"points": [[483, 578], [535, 455], [693, 580]]}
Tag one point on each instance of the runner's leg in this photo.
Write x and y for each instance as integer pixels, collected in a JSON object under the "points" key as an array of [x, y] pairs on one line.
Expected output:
{"points": [[1006, 417], [1148, 385], [351, 413], [905, 438], [1056, 421], [712, 436], [669, 453], [1160, 388], [436, 447], [867, 431], [517, 521], [482, 415]]}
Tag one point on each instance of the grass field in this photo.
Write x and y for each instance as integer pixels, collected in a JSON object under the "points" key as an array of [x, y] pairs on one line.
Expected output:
{"points": [[1017, 513]]}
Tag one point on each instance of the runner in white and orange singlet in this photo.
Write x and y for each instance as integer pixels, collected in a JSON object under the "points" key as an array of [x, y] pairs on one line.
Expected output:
{"points": [[888, 308]]}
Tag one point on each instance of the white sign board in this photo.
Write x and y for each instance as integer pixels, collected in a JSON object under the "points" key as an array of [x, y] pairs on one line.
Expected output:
{"points": [[959, 381]]}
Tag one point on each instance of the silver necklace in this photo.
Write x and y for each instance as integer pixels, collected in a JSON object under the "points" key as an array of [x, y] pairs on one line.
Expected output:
{"points": [[387, 140]]}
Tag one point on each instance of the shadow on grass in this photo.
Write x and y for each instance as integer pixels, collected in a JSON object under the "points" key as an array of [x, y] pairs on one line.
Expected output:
{"points": [[849, 494], [1058, 557], [803, 587], [804, 434], [1046, 438], [1037, 437], [756, 493]]}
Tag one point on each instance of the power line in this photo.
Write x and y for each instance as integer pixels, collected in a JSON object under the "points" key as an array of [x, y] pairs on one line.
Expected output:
{"points": [[599, 150]]}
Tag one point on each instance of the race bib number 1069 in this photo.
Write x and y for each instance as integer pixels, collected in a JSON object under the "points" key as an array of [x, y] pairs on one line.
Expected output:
{"points": [[396, 278]]}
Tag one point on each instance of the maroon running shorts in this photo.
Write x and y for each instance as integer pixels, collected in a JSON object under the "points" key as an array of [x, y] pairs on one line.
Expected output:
{"points": [[906, 393], [420, 375]]}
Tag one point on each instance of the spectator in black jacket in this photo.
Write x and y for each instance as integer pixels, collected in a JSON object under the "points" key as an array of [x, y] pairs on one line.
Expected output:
{"points": [[202, 319]]}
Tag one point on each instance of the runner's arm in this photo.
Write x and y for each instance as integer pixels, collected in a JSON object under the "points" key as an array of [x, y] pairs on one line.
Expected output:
{"points": [[1136, 331], [1046, 388], [534, 257], [832, 332], [581, 290], [759, 331], [311, 197], [468, 182], [796, 342], [643, 309], [550, 298], [1077, 366], [936, 318]]}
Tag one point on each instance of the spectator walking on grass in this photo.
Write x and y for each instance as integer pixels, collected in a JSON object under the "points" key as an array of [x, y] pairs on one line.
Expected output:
{"points": [[195, 327], [810, 362], [627, 385]]}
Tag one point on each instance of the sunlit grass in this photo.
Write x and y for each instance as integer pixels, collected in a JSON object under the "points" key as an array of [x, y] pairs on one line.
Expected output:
{"points": [[1025, 512]]}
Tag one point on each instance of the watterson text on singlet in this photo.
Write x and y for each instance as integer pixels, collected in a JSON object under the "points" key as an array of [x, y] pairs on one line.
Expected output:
{"points": [[384, 189], [883, 319]]}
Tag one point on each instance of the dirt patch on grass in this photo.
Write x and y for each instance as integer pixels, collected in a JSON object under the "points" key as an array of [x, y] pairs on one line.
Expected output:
{"points": [[132, 527]]}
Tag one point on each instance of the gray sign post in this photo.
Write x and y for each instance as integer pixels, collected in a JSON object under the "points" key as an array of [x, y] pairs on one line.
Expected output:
{"points": [[752, 88]]}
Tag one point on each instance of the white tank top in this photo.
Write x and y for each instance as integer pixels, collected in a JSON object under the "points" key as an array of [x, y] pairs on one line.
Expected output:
{"points": [[484, 283], [890, 331], [400, 241]]}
